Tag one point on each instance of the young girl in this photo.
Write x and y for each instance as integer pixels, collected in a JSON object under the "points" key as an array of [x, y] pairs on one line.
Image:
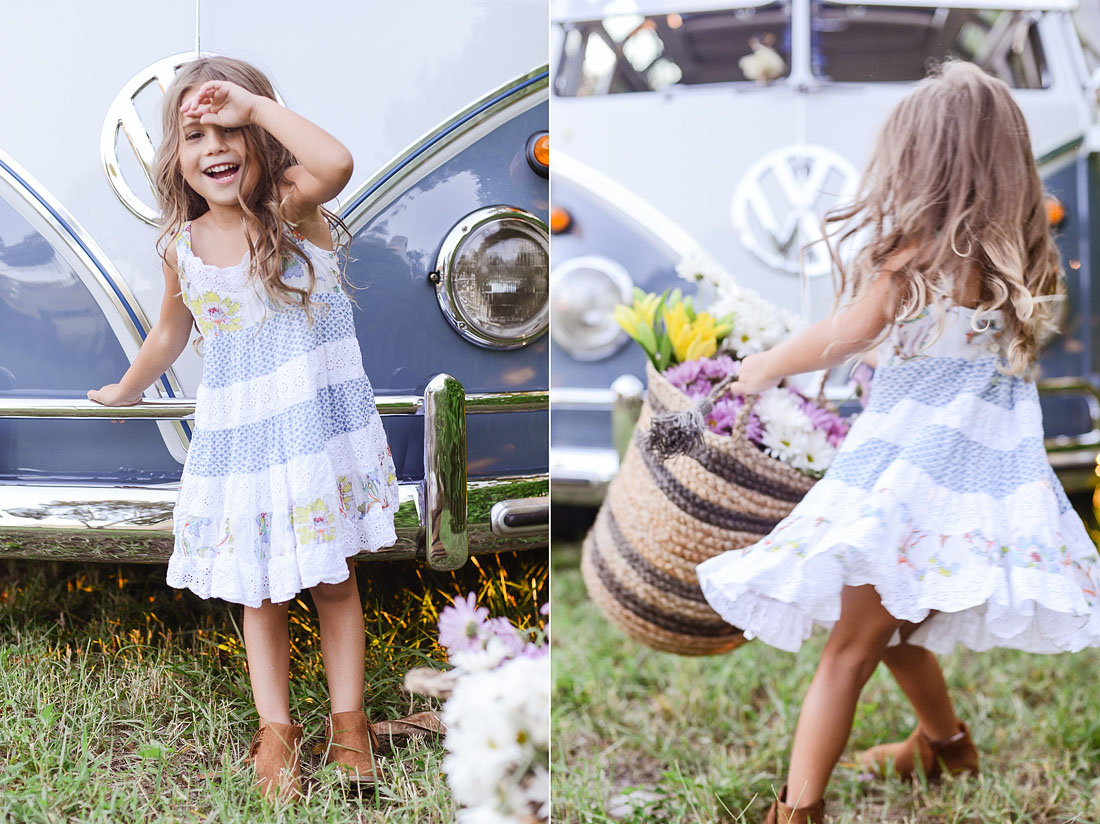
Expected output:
{"points": [[940, 520], [288, 473]]}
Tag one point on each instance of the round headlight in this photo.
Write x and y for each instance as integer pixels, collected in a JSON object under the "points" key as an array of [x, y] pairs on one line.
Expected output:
{"points": [[585, 292], [492, 277]]}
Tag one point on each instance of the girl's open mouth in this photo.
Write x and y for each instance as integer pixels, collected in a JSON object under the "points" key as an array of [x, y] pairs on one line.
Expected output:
{"points": [[223, 172]]}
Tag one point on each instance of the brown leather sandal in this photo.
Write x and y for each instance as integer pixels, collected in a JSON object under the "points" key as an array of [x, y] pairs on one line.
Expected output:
{"points": [[352, 745], [780, 813], [275, 752], [955, 755]]}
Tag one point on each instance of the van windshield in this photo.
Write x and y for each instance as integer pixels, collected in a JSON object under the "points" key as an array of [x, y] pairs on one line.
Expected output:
{"points": [[639, 53], [860, 44], [849, 43]]}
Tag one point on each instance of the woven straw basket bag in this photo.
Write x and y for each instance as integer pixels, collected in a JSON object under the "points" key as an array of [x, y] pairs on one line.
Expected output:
{"points": [[662, 518]]}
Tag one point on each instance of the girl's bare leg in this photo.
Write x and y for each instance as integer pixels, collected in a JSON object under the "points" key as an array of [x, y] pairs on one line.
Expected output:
{"points": [[267, 645], [854, 648], [343, 641], [918, 673]]}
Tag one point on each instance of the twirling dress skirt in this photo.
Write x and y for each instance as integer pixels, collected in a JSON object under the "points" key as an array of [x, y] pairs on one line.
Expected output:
{"points": [[288, 472], [942, 498]]}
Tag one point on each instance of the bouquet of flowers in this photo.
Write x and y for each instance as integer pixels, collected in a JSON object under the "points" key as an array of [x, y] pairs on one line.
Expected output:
{"points": [[696, 350], [497, 716]]}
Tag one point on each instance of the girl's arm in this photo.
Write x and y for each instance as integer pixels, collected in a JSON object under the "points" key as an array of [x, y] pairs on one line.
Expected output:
{"points": [[827, 343], [162, 346], [326, 164]]}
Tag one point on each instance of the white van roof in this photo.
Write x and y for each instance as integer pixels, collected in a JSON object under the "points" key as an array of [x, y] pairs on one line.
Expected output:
{"points": [[562, 10]]}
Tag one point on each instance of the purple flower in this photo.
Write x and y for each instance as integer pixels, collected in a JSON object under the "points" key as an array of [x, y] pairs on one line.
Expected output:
{"points": [[718, 368], [829, 422], [861, 376], [534, 651], [502, 629], [683, 374], [722, 417], [699, 389], [460, 625]]}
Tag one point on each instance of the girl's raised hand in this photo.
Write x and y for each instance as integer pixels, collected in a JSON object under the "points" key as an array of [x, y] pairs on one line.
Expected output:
{"points": [[221, 103]]}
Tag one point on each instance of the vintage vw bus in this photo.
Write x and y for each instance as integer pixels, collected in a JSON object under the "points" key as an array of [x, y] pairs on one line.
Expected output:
{"points": [[663, 147], [449, 258]]}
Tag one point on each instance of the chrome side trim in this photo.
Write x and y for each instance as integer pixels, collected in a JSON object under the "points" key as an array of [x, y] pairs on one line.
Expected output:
{"points": [[444, 266], [580, 475], [134, 524], [446, 538], [525, 516], [431, 149], [581, 398], [1070, 147], [531, 401], [108, 288], [477, 403]]}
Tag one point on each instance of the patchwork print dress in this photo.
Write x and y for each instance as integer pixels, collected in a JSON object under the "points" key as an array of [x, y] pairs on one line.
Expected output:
{"points": [[288, 472], [943, 499]]}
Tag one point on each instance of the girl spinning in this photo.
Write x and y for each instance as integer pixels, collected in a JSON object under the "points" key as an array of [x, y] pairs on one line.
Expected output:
{"points": [[940, 521], [288, 474]]}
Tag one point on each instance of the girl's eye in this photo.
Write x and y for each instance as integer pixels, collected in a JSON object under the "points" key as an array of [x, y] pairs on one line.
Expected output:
{"points": [[192, 135]]}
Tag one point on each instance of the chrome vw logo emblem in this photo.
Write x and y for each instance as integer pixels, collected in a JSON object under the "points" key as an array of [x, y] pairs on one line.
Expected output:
{"points": [[123, 117], [778, 206]]}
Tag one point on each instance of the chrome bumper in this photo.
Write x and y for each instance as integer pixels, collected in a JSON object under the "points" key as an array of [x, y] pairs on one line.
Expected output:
{"points": [[442, 521], [134, 525]]}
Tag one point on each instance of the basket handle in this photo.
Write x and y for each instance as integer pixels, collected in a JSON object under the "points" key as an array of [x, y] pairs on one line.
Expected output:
{"points": [[741, 422]]}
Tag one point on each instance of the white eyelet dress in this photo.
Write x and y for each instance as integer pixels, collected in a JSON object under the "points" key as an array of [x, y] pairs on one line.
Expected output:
{"points": [[288, 472], [942, 498]]}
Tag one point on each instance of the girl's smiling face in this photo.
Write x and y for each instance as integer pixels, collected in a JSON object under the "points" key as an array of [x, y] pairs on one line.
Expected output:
{"points": [[213, 161]]}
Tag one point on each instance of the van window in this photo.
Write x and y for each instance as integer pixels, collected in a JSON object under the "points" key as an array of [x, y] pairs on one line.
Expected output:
{"points": [[860, 44], [638, 53]]}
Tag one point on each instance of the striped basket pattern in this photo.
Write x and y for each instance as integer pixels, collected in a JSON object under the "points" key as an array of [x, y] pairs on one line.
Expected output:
{"points": [[661, 519]]}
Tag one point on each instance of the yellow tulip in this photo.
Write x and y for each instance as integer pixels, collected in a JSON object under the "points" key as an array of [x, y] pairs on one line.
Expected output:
{"points": [[701, 347], [627, 318], [647, 308], [691, 339]]}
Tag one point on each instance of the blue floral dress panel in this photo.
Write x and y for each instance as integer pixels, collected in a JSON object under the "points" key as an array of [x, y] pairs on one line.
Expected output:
{"points": [[288, 472], [942, 498]]}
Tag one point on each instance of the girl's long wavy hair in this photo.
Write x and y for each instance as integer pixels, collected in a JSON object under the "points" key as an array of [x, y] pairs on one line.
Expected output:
{"points": [[953, 191], [269, 246]]}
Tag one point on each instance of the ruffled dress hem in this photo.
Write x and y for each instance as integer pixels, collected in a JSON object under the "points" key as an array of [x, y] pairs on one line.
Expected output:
{"points": [[1002, 599]]}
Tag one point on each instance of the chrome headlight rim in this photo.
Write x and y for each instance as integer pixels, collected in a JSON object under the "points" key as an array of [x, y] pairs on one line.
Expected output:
{"points": [[444, 280], [620, 279]]}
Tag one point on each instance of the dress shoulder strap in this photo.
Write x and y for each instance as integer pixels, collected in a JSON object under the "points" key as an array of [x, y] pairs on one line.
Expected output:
{"points": [[183, 249]]}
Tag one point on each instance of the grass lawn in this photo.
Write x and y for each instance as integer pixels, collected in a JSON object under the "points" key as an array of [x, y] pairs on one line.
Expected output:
{"points": [[122, 700], [644, 736]]}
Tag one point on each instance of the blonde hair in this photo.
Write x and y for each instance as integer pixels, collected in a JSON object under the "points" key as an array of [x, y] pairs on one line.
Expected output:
{"points": [[261, 207], [952, 190]]}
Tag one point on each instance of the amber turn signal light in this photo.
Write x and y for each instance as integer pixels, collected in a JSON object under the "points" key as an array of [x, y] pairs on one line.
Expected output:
{"points": [[1056, 212], [560, 220], [537, 151]]}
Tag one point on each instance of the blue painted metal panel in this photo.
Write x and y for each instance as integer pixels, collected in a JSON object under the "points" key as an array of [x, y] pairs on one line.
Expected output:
{"points": [[55, 342], [403, 334]]}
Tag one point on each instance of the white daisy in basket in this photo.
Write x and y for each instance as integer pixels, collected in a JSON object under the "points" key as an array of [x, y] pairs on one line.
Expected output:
{"points": [[758, 324]]}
